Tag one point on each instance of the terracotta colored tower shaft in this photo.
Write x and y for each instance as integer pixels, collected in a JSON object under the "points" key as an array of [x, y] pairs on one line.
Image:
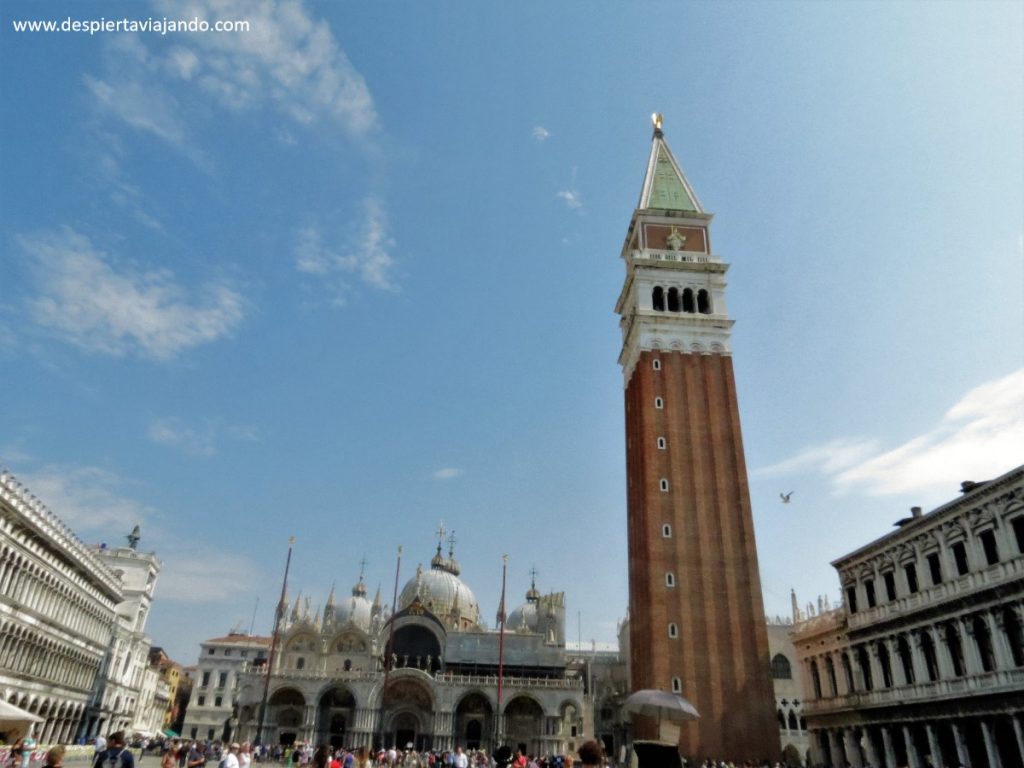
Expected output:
{"points": [[696, 611]]}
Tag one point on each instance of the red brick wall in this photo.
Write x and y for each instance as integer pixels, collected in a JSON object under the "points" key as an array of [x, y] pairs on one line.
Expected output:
{"points": [[721, 654]]}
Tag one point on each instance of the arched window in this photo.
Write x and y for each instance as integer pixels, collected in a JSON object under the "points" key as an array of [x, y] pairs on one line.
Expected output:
{"points": [[816, 680], [793, 725], [663, 484], [677, 685], [348, 665], [661, 444], [1011, 625], [658, 298], [659, 403], [673, 299], [688, 300], [656, 364], [781, 669], [984, 641], [673, 630], [782, 719], [670, 579], [666, 531], [703, 302]]}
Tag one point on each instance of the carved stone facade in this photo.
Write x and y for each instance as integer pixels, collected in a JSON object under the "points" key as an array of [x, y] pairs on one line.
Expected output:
{"points": [[923, 664], [355, 674]]}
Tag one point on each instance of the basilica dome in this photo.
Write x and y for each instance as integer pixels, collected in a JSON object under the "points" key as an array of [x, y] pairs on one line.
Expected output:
{"points": [[442, 592], [356, 609], [526, 618]]}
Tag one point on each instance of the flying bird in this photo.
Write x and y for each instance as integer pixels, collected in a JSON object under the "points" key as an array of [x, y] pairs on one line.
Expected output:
{"points": [[785, 497]]}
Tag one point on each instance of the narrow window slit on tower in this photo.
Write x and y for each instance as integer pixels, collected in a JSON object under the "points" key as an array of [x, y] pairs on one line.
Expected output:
{"points": [[661, 444], [673, 299], [656, 364], [658, 298], [659, 403], [670, 579], [673, 630], [703, 302], [688, 300], [663, 484], [666, 531]]}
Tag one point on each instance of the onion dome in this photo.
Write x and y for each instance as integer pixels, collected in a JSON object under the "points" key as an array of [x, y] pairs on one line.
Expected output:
{"points": [[525, 617], [442, 592]]}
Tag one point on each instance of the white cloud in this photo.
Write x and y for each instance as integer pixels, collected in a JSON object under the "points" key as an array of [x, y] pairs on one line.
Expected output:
{"points": [[980, 437], [97, 307], [366, 256], [89, 500], [448, 473], [201, 441], [204, 576], [571, 198], [541, 134], [141, 105], [286, 58]]}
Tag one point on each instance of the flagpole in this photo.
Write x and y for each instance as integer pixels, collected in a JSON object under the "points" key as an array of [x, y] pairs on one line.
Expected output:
{"points": [[278, 616], [389, 650], [498, 735]]}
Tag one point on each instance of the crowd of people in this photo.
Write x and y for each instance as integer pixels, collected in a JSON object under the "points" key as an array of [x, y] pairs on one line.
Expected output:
{"points": [[198, 754]]}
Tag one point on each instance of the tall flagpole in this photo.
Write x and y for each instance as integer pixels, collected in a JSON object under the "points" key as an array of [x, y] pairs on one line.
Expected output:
{"points": [[389, 650], [278, 616], [498, 734]]}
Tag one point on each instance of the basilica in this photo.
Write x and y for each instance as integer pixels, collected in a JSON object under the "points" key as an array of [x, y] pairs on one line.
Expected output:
{"points": [[430, 673]]}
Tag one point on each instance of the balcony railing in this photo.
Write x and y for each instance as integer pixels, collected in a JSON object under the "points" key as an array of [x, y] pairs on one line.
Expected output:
{"points": [[957, 687]]}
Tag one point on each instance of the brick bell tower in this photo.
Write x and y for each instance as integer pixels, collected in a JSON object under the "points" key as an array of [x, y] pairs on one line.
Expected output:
{"points": [[697, 623]]}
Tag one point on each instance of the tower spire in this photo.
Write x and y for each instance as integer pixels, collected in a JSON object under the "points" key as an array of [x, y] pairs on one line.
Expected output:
{"points": [[665, 185]]}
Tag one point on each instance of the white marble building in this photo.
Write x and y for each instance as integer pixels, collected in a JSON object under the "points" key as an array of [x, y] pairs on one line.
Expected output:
{"points": [[923, 663], [57, 613]]}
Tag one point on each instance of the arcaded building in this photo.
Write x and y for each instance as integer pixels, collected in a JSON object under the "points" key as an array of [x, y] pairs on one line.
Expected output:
{"points": [[696, 612], [923, 663], [353, 673], [57, 613]]}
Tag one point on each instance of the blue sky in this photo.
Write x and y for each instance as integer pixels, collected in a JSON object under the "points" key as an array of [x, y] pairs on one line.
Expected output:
{"points": [[353, 272]]}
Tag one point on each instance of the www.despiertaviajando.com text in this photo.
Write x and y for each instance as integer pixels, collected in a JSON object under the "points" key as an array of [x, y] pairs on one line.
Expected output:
{"points": [[149, 25]]}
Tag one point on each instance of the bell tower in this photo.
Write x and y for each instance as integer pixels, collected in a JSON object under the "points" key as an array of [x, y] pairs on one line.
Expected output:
{"points": [[697, 623]]}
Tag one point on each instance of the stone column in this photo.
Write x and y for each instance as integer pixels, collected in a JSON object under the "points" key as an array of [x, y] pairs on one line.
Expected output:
{"points": [[835, 749], [309, 724], [917, 658], [990, 745], [961, 748], [874, 758], [942, 654], [972, 659], [890, 753], [913, 759], [852, 749], [1018, 731], [1000, 642], [933, 746], [877, 675]]}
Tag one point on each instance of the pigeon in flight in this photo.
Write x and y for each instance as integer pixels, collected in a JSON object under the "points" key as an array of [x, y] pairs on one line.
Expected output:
{"points": [[785, 497]]}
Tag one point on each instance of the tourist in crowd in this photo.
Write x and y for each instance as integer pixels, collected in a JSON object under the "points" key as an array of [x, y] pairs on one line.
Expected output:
{"points": [[170, 758], [591, 754], [54, 757], [116, 755], [245, 755]]}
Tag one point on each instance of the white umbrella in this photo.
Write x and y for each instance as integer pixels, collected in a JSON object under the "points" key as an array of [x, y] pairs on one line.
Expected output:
{"points": [[15, 718], [661, 704]]}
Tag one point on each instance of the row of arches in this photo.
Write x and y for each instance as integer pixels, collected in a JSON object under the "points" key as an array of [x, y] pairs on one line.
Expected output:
{"points": [[409, 714], [27, 651], [60, 718], [686, 300], [790, 721], [951, 649], [53, 595]]}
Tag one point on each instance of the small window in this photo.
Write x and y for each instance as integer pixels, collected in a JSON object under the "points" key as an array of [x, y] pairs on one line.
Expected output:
{"points": [[300, 663], [218, 700], [869, 592], [656, 364], [960, 558], [222, 680], [889, 577], [227, 651], [935, 568], [211, 652], [662, 444], [677, 685], [209, 733], [201, 701], [666, 531], [851, 599], [670, 579], [194, 732], [206, 679], [348, 665], [988, 543], [781, 668], [673, 630], [658, 403], [663, 484], [243, 654]]}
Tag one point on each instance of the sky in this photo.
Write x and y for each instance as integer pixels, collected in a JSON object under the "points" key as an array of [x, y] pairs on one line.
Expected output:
{"points": [[351, 274]]}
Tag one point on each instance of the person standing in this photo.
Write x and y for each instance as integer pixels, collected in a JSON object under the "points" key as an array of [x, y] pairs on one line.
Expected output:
{"points": [[116, 755], [230, 759], [591, 754]]}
